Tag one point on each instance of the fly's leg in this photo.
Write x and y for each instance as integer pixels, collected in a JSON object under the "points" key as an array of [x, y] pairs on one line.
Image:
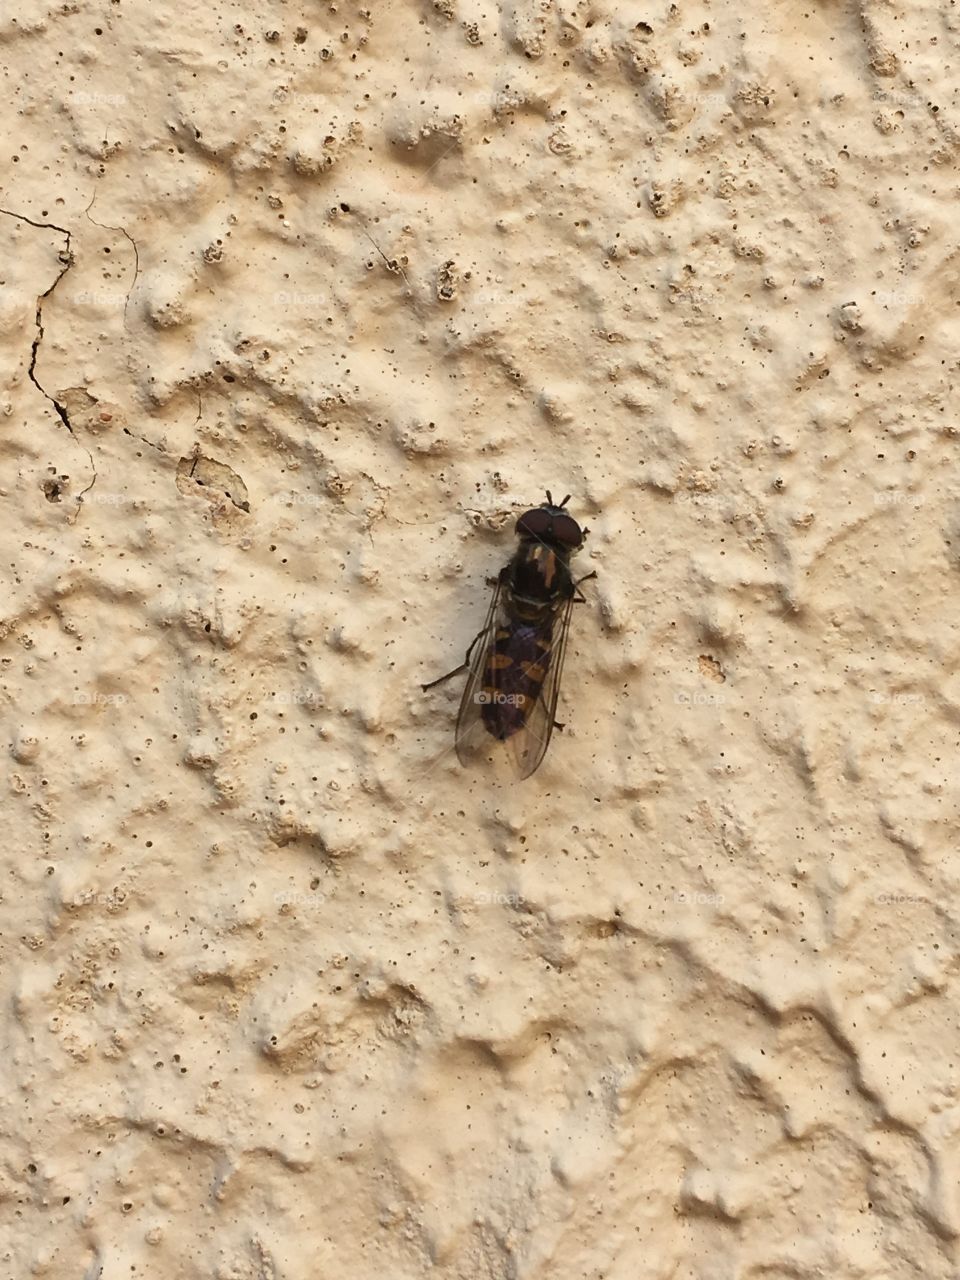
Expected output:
{"points": [[499, 580], [502, 577], [464, 666], [579, 597]]}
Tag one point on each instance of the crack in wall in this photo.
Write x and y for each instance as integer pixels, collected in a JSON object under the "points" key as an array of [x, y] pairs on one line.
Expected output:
{"points": [[212, 478], [65, 257], [134, 435], [106, 226]]}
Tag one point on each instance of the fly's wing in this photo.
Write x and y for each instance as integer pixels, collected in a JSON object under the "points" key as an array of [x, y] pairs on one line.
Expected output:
{"points": [[471, 733], [529, 744]]}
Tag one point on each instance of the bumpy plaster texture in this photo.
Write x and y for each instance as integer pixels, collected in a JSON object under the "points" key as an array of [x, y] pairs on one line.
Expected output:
{"points": [[301, 304]]}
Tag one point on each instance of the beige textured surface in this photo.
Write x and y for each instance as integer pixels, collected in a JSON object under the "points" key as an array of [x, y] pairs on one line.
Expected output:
{"points": [[286, 993]]}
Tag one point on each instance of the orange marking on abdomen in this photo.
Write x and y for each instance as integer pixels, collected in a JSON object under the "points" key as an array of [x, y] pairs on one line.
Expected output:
{"points": [[499, 661]]}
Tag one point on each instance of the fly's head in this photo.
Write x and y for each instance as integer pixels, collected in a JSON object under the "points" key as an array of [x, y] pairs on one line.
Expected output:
{"points": [[551, 526]]}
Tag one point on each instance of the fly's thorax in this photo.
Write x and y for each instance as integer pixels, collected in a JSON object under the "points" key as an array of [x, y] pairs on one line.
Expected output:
{"points": [[540, 575]]}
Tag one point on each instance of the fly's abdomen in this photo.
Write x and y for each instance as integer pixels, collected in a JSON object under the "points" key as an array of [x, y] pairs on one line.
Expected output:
{"points": [[516, 667]]}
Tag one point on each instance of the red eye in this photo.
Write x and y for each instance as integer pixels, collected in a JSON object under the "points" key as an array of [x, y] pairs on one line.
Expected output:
{"points": [[566, 530], [535, 524]]}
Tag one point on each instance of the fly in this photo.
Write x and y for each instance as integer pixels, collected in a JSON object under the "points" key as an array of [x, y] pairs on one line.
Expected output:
{"points": [[516, 660]]}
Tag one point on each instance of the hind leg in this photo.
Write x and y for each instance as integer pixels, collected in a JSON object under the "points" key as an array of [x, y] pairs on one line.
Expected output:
{"points": [[464, 666]]}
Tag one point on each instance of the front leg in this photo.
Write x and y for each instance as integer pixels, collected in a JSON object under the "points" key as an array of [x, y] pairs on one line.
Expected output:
{"points": [[579, 597]]}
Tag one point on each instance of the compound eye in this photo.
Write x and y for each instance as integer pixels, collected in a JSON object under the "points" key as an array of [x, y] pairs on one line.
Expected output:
{"points": [[535, 524], [567, 531]]}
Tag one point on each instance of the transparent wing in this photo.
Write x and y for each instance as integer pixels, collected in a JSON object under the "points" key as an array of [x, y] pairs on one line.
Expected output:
{"points": [[529, 745], [471, 734]]}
